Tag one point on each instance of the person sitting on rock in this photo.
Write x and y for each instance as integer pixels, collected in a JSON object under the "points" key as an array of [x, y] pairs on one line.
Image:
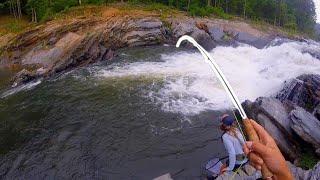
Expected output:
{"points": [[265, 151], [233, 142]]}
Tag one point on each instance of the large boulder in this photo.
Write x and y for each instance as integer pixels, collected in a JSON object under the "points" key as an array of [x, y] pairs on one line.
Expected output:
{"points": [[223, 31], [216, 33], [194, 28], [303, 91], [306, 126], [274, 117], [258, 42]]}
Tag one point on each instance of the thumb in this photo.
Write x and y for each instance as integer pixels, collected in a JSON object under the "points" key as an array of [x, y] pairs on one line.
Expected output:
{"points": [[259, 148]]}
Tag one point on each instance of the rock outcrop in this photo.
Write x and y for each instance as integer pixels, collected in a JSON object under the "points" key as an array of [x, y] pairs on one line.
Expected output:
{"points": [[306, 126], [274, 117], [22, 77], [197, 29], [303, 91], [209, 33], [290, 118], [57, 47], [61, 45]]}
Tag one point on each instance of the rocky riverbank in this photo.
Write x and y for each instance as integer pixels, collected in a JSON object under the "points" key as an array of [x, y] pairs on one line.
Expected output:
{"points": [[60, 45], [292, 118]]}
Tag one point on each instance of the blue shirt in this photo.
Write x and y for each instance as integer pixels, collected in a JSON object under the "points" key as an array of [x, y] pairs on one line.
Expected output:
{"points": [[233, 146]]}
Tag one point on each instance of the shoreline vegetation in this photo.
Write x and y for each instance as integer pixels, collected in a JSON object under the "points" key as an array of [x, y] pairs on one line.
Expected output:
{"points": [[285, 19]]}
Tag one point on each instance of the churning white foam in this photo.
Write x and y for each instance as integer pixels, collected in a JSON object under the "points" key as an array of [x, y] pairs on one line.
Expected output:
{"points": [[191, 87], [22, 87]]}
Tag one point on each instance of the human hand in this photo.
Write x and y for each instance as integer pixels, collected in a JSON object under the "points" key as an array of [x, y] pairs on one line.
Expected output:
{"points": [[266, 151], [223, 169]]}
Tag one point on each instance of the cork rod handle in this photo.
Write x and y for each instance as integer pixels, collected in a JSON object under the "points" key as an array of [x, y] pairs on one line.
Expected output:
{"points": [[253, 136]]}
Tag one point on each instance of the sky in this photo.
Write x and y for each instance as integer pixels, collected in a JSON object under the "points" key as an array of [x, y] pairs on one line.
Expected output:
{"points": [[317, 3]]}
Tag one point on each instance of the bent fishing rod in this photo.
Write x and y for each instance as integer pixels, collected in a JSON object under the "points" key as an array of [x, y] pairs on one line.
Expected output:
{"points": [[251, 133]]}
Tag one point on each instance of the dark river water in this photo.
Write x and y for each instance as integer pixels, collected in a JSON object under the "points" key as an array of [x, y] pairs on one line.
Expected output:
{"points": [[80, 126]]}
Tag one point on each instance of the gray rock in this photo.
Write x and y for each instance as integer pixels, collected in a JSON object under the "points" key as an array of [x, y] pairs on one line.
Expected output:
{"points": [[216, 33], [314, 174], [164, 177], [297, 172], [316, 112], [300, 174], [22, 77], [274, 117], [182, 28], [258, 42], [197, 30], [287, 147], [204, 39], [303, 91], [306, 126], [277, 111], [41, 71]]}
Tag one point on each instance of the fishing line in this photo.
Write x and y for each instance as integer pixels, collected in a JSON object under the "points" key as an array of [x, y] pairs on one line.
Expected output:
{"points": [[221, 77], [226, 85]]}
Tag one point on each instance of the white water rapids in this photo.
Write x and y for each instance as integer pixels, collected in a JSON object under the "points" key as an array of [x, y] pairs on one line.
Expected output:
{"points": [[191, 87]]}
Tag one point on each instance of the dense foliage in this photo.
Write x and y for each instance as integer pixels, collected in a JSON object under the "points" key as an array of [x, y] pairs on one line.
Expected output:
{"points": [[291, 14]]}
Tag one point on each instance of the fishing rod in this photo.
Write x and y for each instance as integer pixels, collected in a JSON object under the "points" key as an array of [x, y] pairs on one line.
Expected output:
{"points": [[252, 134]]}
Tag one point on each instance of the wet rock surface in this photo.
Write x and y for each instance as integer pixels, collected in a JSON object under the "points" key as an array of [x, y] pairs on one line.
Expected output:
{"points": [[291, 119], [306, 126], [274, 117], [303, 91]]}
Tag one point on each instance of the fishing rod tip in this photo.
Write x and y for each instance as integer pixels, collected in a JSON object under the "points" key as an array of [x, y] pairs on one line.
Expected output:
{"points": [[185, 37]]}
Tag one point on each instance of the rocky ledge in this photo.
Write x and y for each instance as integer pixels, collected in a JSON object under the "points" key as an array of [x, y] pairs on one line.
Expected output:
{"points": [[292, 119], [61, 45]]}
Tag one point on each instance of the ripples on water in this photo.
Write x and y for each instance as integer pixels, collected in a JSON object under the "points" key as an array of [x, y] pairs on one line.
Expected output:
{"points": [[148, 113]]}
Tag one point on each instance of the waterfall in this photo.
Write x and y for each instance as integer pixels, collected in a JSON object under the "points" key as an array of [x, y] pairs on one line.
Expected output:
{"points": [[190, 87]]}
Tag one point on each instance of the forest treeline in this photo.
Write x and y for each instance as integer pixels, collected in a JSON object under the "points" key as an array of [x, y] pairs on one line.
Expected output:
{"points": [[291, 14]]}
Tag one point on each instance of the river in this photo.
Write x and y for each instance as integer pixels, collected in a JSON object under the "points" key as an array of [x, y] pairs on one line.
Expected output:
{"points": [[149, 111]]}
